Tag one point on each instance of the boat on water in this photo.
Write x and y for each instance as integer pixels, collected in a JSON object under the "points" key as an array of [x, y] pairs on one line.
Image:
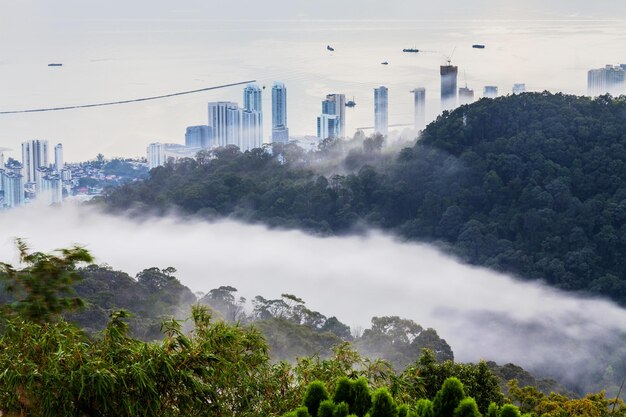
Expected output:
{"points": [[384, 63], [330, 48], [55, 65], [478, 46], [411, 50]]}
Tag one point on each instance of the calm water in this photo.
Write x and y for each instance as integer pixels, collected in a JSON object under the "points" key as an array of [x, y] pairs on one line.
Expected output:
{"points": [[112, 59]]}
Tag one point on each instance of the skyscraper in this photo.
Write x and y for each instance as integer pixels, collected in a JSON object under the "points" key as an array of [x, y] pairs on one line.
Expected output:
{"points": [[448, 86], [251, 130], [1, 160], [490, 91], [34, 155], [420, 107], [225, 122], [58, 157], [327, 126], [381, 110], [466, 95], [40, 173], [610, 79], [519, 88], [280, 131], [198, 136], [335, 104], [52, 188], [251, 135], [13, 186], [252, 98], [155, 155]]}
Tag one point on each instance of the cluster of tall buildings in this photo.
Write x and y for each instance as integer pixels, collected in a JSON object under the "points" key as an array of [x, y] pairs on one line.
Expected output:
{"points": [[35, 175], [608, 80], [449, 75], [229, 124]]}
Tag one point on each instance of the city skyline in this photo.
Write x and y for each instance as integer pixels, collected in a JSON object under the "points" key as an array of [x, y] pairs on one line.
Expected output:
{"points": [[556, 43]]}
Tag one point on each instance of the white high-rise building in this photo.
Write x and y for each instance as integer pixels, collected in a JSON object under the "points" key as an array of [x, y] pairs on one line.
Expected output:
{"points": [[13, 186], [327, 126], [13, 166], [335, 104], [519, 88], [466, 95], [52, 188], [280, 131], [608, 80], [253, 98], [419, 96], [225, 122], [58, 157], [199, 137], [490, 91], [40, 173], [1, 160], [252, 118], [34, 155], [251, 130], [155, 155], [381, 110], [233, 126]]}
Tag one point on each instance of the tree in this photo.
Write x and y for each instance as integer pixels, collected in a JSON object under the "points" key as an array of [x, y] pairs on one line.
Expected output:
{"points": [[344, 392], [315, 394], [341, 410], [326, 409], [509, 410], [493, 410], [383, 404], [332, 324], [223, 300], [448, 397], [403, 410], [362, 397], [424, 408], [467, 408], [42, 290]]}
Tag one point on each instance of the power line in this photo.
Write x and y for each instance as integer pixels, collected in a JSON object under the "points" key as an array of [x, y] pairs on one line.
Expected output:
{"points": [[112, 103]]}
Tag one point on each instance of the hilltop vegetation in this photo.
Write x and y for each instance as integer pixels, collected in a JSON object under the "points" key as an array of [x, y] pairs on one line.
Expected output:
{"points": [[291, 329], [531, 184]]}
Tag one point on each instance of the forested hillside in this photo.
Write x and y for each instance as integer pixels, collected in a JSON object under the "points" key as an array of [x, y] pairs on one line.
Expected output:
{"points": [[531, 184], [291, 329]]}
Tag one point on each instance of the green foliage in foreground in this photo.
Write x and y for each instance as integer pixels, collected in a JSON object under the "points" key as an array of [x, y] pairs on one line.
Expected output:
{"points": [[54, 369], [49, 367], [448, 397], [315, 394], [43, 288]]}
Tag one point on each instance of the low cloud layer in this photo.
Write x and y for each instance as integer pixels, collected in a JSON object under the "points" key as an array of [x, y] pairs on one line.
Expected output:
{"points": [[481, 314]]}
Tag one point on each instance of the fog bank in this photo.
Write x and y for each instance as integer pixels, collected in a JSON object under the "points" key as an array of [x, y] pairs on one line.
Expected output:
{"points": [[480, 313]]}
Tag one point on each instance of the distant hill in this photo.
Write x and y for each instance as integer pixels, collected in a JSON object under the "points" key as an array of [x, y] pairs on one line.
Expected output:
{"points": [[531, 184]]}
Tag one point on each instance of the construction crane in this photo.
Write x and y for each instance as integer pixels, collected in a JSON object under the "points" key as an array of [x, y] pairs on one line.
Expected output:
{"points": [[449, 57]]}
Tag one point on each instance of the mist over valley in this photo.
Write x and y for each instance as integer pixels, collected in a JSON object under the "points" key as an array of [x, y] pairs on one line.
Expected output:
{"points": [[480, 313]]}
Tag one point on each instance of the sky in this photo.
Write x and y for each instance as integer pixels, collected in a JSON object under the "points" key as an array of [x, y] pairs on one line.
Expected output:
{"points": [[122, 50]]}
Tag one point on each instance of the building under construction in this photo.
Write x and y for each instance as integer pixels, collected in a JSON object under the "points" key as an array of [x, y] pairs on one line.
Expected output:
{"points": [[448, 86]]}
